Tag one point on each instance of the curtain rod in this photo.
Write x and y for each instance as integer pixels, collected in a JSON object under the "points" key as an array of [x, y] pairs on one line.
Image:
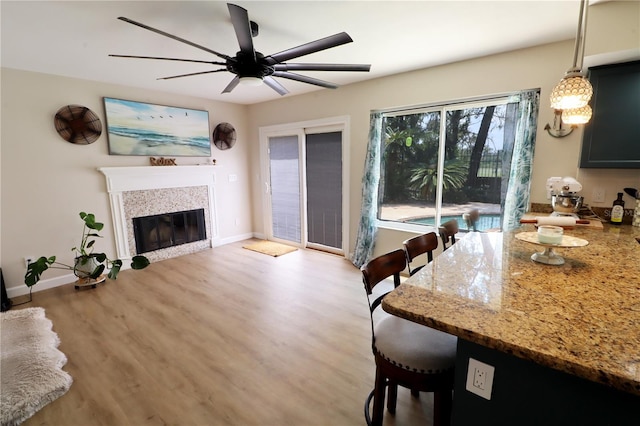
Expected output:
{"points": [[448, 103]]}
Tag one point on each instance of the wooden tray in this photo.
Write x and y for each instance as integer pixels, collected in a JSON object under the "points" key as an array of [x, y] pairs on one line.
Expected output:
{"points": [[593, 223]]}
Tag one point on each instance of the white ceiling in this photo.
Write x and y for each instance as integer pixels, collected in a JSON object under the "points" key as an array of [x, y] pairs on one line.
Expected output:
{"points": [[74, 38]]}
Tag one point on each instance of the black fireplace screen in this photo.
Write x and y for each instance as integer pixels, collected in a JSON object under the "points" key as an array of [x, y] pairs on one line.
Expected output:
{"points": [[169, 229]]}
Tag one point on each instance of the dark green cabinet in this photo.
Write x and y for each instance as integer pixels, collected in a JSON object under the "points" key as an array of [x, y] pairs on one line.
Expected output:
{"points": [[612, 137]]}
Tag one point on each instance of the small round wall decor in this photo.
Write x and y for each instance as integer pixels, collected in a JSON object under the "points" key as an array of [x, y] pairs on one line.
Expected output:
{"points": [[78, 124], [224, 136]]}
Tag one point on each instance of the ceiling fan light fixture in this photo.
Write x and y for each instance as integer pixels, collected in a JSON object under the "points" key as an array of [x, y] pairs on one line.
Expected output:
{"points": [[251, 81]]}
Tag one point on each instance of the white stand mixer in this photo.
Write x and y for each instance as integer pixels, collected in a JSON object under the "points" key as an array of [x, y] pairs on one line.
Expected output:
{"points": [[563, 194]]}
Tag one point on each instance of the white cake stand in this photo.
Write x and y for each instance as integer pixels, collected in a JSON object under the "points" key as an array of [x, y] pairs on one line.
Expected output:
{"points": [[548, 256]]}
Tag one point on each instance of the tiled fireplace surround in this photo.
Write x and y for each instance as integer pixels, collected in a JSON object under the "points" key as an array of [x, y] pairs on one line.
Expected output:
{"points": [[144, 191]]}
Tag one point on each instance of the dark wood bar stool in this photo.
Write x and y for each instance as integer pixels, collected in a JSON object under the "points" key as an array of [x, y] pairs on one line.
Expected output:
{"points": [[448, 231], [408, 354], [416, 246]]}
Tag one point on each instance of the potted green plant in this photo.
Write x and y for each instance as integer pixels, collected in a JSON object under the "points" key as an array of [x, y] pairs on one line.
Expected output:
{"points": [[88, 264]]}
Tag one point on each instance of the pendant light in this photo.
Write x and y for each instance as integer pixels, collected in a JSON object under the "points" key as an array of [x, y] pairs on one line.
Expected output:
{"points": [[577, 115], [574, 90]]}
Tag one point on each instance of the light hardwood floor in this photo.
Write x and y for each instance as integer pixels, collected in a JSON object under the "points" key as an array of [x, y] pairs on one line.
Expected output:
{"points": [[225, 336]]}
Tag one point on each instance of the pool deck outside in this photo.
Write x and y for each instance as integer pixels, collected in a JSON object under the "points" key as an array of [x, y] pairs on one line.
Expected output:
{"points": [[401, 212]]}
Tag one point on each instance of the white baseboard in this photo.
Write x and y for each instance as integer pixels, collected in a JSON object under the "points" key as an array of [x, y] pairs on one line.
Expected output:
{"points": [[235, 238], [41, 285], [259, 235], [46, 284]]}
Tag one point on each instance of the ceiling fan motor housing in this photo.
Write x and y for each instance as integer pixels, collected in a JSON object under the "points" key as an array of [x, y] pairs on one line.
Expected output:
{"points": [[244, 65]]}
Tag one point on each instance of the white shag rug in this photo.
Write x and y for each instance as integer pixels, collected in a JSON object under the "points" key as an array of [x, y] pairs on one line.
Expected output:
{"points": [[31, 373]]}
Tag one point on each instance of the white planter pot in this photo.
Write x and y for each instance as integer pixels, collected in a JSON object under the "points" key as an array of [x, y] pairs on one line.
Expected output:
{"points": [[84, 266]]}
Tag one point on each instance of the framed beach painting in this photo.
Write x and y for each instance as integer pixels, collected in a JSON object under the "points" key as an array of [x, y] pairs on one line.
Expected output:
{"points": [[137, 128]]}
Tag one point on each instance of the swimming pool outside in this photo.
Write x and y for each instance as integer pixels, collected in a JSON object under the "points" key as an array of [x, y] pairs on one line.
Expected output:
{"points": [[484, 223], [422, 214]]}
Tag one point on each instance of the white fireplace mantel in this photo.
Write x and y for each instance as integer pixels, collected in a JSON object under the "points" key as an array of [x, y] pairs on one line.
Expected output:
{"points": [[124, 179], [120, 179]]}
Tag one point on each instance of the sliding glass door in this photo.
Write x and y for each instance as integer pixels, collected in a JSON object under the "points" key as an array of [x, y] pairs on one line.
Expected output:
{"points": [[304, 190], [324, 189], [284, 166]]}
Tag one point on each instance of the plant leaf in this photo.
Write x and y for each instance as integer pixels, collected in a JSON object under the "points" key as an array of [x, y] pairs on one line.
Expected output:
{"points": [[139, 262], [90, 221], [115, 269], [96, 272], [35, 270], [97, 226]]}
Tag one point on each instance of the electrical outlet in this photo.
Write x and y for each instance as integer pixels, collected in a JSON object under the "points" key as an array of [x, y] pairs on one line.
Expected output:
{"points": [[598, 195], [480, 378], [27, 261]]}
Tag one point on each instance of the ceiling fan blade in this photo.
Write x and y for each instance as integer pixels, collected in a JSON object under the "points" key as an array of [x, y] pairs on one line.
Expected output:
{"points": [[322, 67], [169, 59], [232, 85], [240, 21], [269, 81], [190, 43], [305, 79], [191, 74], [311, 47]]}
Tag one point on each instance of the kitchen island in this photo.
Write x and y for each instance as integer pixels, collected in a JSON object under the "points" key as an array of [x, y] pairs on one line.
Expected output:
{"points": [[563, 339]]}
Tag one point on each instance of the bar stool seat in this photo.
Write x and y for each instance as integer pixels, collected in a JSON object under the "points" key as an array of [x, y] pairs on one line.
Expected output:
{"points": [[407, 354], [415, 347]]}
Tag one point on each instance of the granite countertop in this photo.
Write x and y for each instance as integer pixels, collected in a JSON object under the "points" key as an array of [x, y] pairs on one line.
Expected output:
{"points": [[582, 317]]}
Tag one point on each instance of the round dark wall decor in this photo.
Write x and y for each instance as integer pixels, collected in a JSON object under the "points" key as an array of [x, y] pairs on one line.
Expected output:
{"points": [[224, 136], [78, 124]]}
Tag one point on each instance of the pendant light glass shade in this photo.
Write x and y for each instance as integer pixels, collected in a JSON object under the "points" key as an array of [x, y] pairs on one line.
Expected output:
{"points": [[577, 115], [573, 91]]}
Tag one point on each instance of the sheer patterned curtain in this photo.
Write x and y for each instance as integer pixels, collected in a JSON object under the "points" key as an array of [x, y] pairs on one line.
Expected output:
{"points": [[516, 201], [518, 180], [367, 230]]}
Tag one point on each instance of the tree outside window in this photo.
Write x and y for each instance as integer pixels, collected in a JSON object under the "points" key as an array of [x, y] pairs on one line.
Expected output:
{"points": [[433, 171]]}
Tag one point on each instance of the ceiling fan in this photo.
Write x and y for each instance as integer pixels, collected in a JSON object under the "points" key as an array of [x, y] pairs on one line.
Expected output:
{"points": [[252, 67]]}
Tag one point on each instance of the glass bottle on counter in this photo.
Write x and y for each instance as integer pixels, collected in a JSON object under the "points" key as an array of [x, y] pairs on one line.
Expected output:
{"points": [[617, 211]]}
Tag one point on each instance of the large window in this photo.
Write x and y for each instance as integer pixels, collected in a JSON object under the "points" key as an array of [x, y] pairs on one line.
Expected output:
{"points": [[446, 162]]}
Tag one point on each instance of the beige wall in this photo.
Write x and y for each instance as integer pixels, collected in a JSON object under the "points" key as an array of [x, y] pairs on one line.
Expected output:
{"points": [[47, 181], [613, 27]]}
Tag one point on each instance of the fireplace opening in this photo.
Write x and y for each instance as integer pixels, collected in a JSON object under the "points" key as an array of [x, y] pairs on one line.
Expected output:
{"points": [[168, 230]]}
